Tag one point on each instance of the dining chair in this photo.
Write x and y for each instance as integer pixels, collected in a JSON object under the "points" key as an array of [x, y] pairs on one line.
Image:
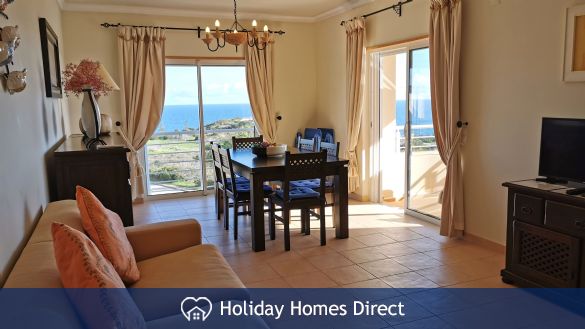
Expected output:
{"points": [[236, 191], [307, 145], [246, 143], [219, 184], [299, 166]]}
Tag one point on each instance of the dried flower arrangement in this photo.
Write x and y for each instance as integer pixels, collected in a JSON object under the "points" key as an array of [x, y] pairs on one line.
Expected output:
{"points": [[3, 5], [84, 75]]}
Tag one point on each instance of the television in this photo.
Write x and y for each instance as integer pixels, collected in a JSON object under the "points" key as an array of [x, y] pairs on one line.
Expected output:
{"points": [[562, 150]]}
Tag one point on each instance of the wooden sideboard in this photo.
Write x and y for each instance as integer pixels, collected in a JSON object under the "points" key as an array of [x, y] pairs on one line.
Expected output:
{"points": [[104, 171], [545, 244]]}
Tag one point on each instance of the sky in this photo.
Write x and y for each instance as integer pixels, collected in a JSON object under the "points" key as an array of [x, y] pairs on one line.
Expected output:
{"points": [[220, 85]]}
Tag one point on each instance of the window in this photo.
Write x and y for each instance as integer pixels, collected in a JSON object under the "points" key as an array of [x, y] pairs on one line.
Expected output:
{"points": [[203, 103]]}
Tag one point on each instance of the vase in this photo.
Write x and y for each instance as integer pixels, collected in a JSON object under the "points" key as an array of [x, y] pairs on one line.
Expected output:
{"points": [[90, 115], [106, 125]]}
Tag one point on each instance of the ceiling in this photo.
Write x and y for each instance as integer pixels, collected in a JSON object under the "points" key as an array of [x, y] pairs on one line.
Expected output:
{"points": [[286, 10]]}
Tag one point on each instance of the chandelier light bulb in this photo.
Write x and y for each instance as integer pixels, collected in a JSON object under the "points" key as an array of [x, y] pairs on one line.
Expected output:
{"points": [[235, 31], [217, 23], [265, 28], [207, 29], [254, 23]]}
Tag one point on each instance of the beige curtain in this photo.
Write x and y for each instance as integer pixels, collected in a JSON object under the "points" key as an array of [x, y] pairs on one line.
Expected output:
{"points": [[260, 82], [356, 36], [445, 49], [142, 81]]}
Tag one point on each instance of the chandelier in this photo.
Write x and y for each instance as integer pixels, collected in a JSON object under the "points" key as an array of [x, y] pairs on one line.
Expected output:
{"points": [[237, 35]]}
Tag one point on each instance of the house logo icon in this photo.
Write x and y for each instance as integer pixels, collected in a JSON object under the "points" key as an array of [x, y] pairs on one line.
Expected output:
{"points": [[193, 309]]}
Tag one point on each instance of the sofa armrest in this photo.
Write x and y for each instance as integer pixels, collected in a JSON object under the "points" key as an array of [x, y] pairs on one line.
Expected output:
{"points": [[158, 239]]}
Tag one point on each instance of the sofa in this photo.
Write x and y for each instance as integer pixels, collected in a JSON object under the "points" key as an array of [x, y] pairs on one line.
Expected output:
{"points": [[168, 255]]}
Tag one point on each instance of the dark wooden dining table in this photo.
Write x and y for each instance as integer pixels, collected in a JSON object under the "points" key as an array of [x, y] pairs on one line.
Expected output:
{"points": [[259, 170]]}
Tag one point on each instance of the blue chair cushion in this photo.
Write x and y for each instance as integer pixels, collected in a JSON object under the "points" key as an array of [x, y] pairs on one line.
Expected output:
{"points": [[310, 183], [299, 193], [241, 180], [245, 187]]}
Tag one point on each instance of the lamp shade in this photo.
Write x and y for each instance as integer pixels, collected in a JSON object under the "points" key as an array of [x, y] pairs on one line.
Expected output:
{"points": [[107, 78]]}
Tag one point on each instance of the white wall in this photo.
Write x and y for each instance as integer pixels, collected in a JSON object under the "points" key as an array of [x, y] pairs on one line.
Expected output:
{"points": [[511, 77], [295, 62], [30, 124]]}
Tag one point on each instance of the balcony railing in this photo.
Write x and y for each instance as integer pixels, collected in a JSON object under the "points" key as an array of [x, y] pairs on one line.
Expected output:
{"points": [[422, 138], [173, 159]]}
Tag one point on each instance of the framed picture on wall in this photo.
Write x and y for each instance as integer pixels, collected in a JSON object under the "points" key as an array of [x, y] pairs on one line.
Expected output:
{"points": [[575, 44], [51, 61]]}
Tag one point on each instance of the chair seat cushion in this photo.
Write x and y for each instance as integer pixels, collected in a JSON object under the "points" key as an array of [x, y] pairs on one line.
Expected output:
{"points": [[310, 183], [299, 193], [241, 180], [245, 188]]}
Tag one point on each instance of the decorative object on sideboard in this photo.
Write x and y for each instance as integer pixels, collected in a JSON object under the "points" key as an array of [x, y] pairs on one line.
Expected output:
{"points": [[269, 149], [93, 80], [574, 70], [106, 126], [15, 81], [51, 62], [3, 5], [6, 53]]}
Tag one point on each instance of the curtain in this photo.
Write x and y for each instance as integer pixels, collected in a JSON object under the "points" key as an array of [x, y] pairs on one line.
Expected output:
{"points": [[141, 54], [260, 83], [356, 35], [445, 49]]}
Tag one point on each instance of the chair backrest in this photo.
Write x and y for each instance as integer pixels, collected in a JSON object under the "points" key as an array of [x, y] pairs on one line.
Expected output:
{"points": [[227, 171], [304, 166], [332, 149], [307, 145], [216, 163], [246, 143]]}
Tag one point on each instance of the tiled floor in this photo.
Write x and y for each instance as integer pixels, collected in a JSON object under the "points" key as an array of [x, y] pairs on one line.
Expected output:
{"points": [[385, 249]]}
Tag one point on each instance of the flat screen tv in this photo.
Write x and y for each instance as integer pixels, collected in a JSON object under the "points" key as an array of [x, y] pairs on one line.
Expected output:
{"points": [[562, 149]]}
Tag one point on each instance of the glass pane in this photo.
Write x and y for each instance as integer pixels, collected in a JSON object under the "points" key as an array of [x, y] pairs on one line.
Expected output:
{"points": [[172, 153], [427, 171], [226, 109], [393, 84]]}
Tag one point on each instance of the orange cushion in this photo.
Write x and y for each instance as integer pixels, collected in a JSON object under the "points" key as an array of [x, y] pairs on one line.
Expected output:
{"points": [[81, 265], [105, 229]]}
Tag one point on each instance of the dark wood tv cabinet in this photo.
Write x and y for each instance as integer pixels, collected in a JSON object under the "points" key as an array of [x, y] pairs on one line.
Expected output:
{"points": [[545, 243], [105, 172]]}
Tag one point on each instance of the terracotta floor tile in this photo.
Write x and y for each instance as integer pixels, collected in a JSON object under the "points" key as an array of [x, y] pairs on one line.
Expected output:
{"points": [[292, 268], [374, 239], [272, 283], [331, 260], [491, 282], [401, 234], [409, 280], [425, 244], [363, 255], [384, 267], [374, 283], [256, 273], [395, 249], [344, 244], [348, 274], [417, 261], [445, 275], [310, 280], [315, 251]]}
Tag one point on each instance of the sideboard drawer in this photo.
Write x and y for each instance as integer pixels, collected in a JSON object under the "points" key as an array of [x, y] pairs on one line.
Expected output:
{"points": [[528, 209], [566, 218]]}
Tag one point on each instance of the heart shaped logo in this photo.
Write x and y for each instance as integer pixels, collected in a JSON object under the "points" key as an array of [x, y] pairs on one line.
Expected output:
{"points": [[193, 308]]}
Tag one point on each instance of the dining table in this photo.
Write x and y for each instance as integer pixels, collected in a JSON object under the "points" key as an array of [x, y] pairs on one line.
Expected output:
{"points": [[268, 169]]}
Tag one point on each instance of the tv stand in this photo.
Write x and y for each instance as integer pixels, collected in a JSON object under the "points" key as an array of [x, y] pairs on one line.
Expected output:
{"points": [[576, 191], [552, 180]]}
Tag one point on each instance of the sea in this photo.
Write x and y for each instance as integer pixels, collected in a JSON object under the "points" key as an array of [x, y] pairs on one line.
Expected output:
{"points": [[185, 117]]}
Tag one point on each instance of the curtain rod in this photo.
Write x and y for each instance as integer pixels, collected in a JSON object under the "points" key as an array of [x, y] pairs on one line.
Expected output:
{"points": [[396, 7], [198, 28]]}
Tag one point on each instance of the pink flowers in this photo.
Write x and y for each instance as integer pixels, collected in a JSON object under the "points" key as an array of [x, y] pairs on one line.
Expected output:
{"points": [[84, 76]]}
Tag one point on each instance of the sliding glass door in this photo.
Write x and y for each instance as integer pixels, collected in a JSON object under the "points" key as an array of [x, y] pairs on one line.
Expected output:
{"points": [[203, 103], [410, 168]]}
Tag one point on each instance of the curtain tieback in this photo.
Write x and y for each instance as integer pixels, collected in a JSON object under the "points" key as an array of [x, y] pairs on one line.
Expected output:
{"points": [[133, 152], [455, 146]]}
